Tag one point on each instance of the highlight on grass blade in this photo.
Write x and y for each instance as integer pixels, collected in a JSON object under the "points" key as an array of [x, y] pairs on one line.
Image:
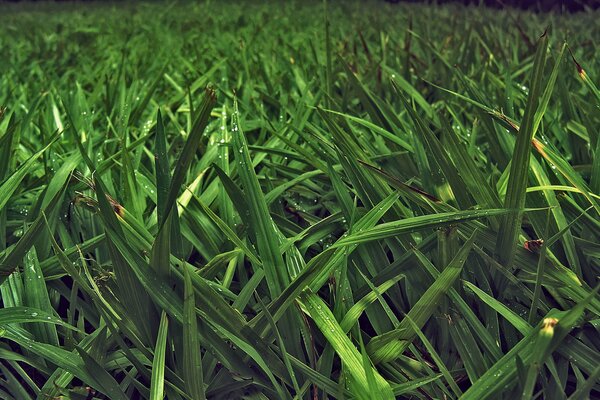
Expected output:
{"points": [[400, 201]]}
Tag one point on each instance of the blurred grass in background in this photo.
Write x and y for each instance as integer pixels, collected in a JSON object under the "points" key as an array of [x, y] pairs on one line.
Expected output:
{"points": [[298, 200]]}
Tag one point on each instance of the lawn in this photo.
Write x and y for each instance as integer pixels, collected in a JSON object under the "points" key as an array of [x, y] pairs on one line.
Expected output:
{"points": [[298, 200]]}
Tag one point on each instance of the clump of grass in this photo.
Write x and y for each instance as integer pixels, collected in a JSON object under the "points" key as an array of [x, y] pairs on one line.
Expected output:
{"points": [[244, 201]]}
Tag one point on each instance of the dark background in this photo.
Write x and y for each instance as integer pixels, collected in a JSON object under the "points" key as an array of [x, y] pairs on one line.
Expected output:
{"points": [[533, 5]]}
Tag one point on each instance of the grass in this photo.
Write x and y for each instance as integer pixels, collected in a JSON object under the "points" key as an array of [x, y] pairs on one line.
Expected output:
{"points": [[298, 201]]}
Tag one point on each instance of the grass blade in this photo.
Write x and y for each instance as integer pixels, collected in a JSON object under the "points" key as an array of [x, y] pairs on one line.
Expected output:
{"points": [[519, 167], [157, 382]]}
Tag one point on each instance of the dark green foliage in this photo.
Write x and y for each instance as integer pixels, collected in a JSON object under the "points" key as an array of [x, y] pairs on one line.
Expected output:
{"points": [[291, 200]]}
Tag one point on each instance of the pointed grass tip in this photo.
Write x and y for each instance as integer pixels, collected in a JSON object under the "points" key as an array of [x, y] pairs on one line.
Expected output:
{"points": [[580, 70], [548, 325], [211, 92], [533, 245], [539, 147]]}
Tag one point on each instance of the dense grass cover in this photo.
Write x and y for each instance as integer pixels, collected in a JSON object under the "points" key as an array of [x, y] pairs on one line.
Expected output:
{"points": [[287, 201]]}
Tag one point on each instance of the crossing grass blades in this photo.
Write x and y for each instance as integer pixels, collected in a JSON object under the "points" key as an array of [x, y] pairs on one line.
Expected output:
{"points": [[298, 201]]}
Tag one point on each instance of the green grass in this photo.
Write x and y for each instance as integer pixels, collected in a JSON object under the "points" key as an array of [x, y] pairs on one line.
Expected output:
{"points": [[298, 201]]}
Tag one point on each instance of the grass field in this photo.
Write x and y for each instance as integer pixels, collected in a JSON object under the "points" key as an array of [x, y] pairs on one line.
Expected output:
{"points": [[298, 201]]}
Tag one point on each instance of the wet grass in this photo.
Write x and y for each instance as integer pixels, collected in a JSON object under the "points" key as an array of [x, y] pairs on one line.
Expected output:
{"points": [[298, 200]]}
